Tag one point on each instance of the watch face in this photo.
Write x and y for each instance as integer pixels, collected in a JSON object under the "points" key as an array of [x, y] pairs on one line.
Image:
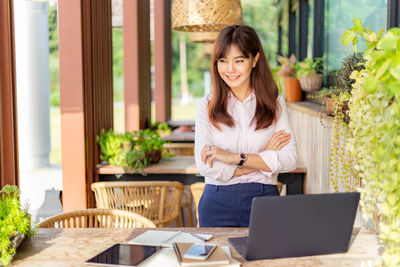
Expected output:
{"points": [[243, 156]]}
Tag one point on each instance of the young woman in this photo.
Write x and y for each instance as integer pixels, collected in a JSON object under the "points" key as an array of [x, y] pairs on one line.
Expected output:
{"points": [[243, 136]]}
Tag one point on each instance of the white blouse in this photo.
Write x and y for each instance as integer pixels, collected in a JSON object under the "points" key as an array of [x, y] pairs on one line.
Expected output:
{"points": [[242, 137]]}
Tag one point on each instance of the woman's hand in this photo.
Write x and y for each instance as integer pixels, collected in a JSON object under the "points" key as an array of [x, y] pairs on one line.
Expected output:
{"points": [[210, 153], [278, 141]]}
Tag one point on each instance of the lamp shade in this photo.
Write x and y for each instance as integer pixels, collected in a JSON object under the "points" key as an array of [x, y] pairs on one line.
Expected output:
{"points": [[203, 37], [205, 15]]}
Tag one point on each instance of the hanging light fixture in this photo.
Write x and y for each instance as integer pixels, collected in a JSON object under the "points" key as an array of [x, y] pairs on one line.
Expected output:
{"points": [[203, 37], [205, 15]]}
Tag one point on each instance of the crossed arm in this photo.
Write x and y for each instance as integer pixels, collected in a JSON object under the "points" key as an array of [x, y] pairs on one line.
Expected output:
{"points": [[254, 162]]}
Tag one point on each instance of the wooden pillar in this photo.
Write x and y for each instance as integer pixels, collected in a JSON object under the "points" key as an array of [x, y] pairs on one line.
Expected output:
{"points": [[137, 76], [85, 93], [162, 59], [8, 97]]}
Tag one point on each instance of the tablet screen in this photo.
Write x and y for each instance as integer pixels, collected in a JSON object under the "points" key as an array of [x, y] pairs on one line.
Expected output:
{"points": [[123, 255]]}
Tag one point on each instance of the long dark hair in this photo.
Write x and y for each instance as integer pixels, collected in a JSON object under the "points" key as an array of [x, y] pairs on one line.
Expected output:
{"points": [[265, 88]]}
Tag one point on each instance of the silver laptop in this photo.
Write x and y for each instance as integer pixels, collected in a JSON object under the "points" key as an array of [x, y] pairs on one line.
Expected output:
{"points": [[298, 225]]}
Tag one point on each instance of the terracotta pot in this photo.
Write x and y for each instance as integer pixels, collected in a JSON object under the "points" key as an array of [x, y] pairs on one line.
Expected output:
{"points": [[329, 105], [292, 89]]}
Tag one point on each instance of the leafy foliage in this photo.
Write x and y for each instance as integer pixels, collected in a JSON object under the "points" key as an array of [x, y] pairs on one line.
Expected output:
{"points": [[12, 219], [348, 65], [341, 162], [288, 66], [53, 32], [375, 128], [53, 57], [309, 66], [128, 150]]}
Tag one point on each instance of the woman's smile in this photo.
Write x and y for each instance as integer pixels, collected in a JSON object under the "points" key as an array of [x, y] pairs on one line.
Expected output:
{"points": [[235, 69]]}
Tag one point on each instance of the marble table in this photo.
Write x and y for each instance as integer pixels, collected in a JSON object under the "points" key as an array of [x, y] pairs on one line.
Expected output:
{"points": [[72, 247]]}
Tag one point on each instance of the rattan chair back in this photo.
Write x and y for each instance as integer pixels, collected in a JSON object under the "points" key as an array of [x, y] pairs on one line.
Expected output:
{"points": [[97, 218], [197, 190], [156, 200]]}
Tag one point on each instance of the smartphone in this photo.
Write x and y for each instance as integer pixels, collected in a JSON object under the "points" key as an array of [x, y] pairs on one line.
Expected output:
{"points": [[199, 251]]}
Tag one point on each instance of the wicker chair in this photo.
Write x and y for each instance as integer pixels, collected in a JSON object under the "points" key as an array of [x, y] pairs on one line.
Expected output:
{"points": [[197, 191], [156, 200], [186, 202], [180, 149], [97, 218]]}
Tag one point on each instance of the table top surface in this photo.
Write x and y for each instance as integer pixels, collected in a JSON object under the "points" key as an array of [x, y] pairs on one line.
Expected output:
{"points": [[174, 165], [180, 137], [72, 247]]}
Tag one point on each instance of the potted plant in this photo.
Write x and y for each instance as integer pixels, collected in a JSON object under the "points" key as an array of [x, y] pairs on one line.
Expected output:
{"points": [[308, 74], [134, 150], [15, 223], [151, 143], [337, 105], [288, 72], [340, 93]]}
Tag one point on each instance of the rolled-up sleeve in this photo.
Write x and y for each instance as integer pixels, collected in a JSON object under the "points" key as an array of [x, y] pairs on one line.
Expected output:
{"points": [[203, 136], [283, 160]]}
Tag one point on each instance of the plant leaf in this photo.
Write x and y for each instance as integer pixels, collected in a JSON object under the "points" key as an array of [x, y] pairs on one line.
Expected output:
{"points": [[388, 41], [348, 36]]}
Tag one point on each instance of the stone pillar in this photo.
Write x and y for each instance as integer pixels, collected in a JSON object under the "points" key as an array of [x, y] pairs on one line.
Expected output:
{"points": [[33, 93]]}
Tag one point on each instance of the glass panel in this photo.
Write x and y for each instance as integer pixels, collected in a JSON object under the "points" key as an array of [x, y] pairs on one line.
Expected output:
{"points": [[118, 79], [285, 30], [262, 17], [190, 64], [339, 17]]}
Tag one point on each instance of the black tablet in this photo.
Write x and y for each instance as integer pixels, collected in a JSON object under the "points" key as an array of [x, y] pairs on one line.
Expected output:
{"points": [[123, 255]]}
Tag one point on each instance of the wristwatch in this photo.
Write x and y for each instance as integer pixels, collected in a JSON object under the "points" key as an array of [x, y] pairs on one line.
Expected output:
{"points": [[243, 158]]}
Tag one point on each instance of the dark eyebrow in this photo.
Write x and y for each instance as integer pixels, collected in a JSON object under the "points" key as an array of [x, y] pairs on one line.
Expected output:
{"points": [[240, 57]]}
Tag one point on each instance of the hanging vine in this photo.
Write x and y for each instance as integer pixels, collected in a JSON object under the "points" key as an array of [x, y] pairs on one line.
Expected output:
{"points": [[342, 178], [375, 132]]}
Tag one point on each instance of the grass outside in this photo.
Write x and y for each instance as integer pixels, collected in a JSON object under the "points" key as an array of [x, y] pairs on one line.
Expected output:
{"points": [[179, 113]]}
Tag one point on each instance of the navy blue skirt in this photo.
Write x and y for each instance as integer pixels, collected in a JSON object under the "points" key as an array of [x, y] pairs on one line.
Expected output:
{"points": [[230, 205]]}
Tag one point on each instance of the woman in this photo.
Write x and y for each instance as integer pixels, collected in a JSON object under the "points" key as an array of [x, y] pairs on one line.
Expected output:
{"points": [[243, 135]]}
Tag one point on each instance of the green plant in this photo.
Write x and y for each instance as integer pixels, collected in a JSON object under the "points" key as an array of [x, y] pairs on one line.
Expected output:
{"points": [[288, 66], [131, 149], [119, 149], [12, 219], [341, 162], [309, 66], [150, 140], [112, 145], [348, 65], [375, 127]]}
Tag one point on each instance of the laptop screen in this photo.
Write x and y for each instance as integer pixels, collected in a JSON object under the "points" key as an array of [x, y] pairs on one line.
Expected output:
{"points": [[301, 225]]}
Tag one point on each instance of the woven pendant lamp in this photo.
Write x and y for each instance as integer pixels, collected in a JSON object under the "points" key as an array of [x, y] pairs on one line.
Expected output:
{"points": [[205, 15], [203, 37]]}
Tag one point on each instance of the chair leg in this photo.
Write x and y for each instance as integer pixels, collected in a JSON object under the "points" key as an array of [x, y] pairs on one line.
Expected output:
{"points": [[182, 217], [190, 215]]}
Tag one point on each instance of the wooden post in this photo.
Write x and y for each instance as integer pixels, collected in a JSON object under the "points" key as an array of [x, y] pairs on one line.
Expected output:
{"points": [[85, 93], [137, 76], [8, 110], [162, 59]]}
